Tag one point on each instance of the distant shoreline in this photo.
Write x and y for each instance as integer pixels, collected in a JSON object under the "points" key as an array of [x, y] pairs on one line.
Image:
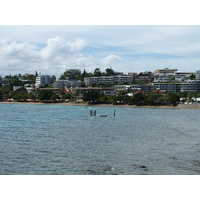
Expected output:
{"points": [[180, 106]]}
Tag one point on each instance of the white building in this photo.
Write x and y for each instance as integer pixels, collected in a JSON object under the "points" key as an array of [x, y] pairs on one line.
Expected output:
{"points": [[181, 76], [17, 87], [198, 75], [108, 80], [67, 83], [42, 80], [162, 78], [166, 71]]}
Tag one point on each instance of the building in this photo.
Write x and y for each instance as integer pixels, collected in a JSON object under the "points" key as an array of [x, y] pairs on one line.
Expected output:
{"points": [[120, 80], [17, 87], [192, 86], [198, 75], [182, 76], [112, 80], [42, 80], [167, 87], [67, 83], [143, 79], [161, 78], [91, 80], [119, 73], [132, 74], [5, 82], [166, 71]]}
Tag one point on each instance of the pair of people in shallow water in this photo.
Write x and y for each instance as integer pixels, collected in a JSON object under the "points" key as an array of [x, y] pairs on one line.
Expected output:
{"points": [[91, 113]]}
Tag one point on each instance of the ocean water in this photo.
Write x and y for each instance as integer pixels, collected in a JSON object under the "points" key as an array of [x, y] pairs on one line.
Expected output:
{"points": [[66, 140]]}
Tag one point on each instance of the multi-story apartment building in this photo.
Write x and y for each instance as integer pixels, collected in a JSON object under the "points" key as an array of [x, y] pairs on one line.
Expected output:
{"points": [[143, 79], [198, 75], [123, 80], [144, 87], [132, 74], [161, 78], [67, 83], [193, 86], [182, 76], [108, 80], [42, 80], [166, 71], [167, 87]]}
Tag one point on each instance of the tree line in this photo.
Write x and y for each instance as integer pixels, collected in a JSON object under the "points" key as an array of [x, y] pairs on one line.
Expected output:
{"points": [[154, 98]]}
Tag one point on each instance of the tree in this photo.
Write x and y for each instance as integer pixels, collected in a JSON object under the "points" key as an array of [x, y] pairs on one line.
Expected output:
{"points": [[110, 72], [138, 98], [84, 74], [173, 98], [183, 94], [153, 97], [54, 96], [192, 77], [32, 96], [92, 96], [1, 95], [53, 78], [66, 96], [97, 72], [21, 91], [20, 97], [44, 95], [122, 92], [72, 74]]}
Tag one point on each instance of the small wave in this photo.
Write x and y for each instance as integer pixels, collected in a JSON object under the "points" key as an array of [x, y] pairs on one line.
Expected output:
{"points": [[104, 170]]}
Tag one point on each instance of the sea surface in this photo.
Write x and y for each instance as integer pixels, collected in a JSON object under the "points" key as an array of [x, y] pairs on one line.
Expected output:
{"points": [[66, 140]]}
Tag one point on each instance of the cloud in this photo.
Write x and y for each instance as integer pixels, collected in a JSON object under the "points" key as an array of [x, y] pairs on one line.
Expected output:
{"points": [[51, 57], [89, 63], [111, 59], [18, 50], [57, 47], [25, 49]]}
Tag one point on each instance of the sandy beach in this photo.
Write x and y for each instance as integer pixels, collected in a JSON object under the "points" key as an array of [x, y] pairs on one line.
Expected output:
{"points": [[180, 106]]}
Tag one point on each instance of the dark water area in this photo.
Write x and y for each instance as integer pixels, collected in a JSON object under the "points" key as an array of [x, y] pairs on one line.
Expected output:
{"points": [[66, 140]]}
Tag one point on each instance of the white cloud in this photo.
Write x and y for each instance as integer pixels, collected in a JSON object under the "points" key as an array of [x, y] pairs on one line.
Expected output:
{"points": [[111, 59], [89, 63], [18, 50], [57, 47], [57, 52], [30, 48]]}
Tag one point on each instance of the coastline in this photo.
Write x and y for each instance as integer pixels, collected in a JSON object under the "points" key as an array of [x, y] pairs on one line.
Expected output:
{"points": [[180, 106]]}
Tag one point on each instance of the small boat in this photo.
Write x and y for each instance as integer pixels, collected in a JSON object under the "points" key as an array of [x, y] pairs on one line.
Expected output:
{"points": [[103, 116]]}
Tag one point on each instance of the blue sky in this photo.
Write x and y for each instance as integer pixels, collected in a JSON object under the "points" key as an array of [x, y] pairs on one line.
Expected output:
{"points": [[128, 48]]}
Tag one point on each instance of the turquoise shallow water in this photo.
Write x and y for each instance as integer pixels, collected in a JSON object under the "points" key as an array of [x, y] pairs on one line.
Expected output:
{"points": [[63, 139]]}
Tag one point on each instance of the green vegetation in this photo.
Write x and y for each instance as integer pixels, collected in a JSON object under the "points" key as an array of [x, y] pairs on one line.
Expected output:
{"points": [[147, 98], [20, 93], [76, 74]]}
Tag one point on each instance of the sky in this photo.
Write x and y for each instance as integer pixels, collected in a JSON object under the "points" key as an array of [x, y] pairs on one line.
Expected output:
{"points": [[52, 49]]}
